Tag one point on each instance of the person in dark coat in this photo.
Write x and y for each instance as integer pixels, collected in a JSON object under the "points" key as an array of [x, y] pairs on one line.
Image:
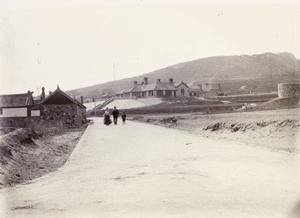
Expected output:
{"points": [[106, 117], [115, 115], [123, 117]]}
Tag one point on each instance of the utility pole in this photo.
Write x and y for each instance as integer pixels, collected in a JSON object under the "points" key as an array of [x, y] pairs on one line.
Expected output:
{"points": [[94, 105], [114, 79]]}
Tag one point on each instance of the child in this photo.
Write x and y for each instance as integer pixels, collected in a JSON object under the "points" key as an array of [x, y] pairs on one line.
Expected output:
{"points": [[123, 117]]}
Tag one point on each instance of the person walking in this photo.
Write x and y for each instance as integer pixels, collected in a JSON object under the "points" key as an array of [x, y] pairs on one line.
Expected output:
{"points": [[123, 117], [106, 117], [115, 115]]}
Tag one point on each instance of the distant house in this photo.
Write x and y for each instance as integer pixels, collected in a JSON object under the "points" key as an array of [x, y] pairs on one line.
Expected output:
{"points": [[59, 106], [212, 89], [195, 91], [182, 89], [145, 89], [16, 105]]}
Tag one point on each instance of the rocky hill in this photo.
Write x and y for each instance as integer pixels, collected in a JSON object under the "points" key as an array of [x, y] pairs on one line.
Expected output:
{"points": [[255, 73]]}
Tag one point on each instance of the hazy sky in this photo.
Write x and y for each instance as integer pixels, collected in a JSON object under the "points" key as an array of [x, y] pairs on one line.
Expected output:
{"points": [[75, 43]]}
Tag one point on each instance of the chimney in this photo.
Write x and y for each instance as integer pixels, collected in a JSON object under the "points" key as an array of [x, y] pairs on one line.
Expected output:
{"points": [[158, 80], [146, 80], [135, 82], [43, 96], [171, 81], [81, 99]]}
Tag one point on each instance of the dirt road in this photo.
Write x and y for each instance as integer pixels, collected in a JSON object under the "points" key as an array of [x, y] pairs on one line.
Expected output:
{"points": [[140, 170]]}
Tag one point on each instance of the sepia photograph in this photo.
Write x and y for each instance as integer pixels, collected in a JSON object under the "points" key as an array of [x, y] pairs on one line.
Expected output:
{"points": [[147, 108]]}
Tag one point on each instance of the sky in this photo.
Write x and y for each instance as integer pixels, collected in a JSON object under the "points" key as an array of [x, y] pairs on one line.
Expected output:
{"points": [[80, 43]]}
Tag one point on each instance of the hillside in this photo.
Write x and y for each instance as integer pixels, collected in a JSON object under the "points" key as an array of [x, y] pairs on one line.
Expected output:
{"points": [[257, 73]]}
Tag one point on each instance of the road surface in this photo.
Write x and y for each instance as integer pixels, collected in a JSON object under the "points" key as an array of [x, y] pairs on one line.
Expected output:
{"points": [[139, 170]]}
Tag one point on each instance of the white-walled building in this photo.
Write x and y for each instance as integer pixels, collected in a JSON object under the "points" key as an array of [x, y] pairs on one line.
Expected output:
{"points": [[17, 105]]}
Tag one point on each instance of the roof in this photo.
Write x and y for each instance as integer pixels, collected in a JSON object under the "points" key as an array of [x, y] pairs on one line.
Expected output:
{"points": [[149, 87], [59, 97], [182, 83], [129, 89], [193, 89], [165, 86], [80, 105], [17, 100]]}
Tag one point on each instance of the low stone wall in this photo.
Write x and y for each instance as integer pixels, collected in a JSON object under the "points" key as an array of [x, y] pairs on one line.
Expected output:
{"points": [[288, 90], [17, 121]]}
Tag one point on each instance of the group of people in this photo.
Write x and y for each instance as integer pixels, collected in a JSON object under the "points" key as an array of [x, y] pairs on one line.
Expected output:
{"points": [[107, 120]]}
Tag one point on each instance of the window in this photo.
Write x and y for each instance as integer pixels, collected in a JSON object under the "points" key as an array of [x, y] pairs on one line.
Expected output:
{"points": [[182, 91], [1, 111]]}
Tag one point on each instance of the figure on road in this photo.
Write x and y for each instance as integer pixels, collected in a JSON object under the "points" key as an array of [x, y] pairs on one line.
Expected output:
{"points": [[106, 117], [123, 117], [115, 115]]}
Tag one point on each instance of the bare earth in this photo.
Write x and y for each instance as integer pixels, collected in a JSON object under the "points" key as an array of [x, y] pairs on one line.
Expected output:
{"points": [[277, 130], [28, 153], [140, 170]]}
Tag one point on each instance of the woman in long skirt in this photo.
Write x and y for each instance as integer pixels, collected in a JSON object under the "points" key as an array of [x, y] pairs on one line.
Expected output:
{"points": [[106, 117]]}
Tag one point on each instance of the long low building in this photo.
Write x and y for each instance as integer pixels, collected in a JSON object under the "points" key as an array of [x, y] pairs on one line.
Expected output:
{"points": [[169, 89], [145, 89]]}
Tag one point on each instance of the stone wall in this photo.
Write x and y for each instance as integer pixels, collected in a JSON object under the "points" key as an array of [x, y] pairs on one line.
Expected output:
{"points": [[288, 90], [17, 121], [66, 112]]}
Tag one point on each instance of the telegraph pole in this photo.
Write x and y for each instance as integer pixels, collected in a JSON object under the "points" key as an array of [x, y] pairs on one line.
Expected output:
{"points": [[94, 105], [114, 77]]}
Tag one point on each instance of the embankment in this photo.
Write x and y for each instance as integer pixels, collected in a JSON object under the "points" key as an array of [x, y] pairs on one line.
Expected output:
{"points": [[277, 130]]}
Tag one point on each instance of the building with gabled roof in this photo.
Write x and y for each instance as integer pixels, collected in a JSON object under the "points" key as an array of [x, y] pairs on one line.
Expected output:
{"points": [[16, 105], [195, 90], [182, 89], [145, 89], [17, 110], [60, 106]]}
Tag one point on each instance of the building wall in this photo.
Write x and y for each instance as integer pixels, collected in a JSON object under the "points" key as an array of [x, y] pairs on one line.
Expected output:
{"points": [[184, 88], [195, 93], [14, 112], [69, 113]]}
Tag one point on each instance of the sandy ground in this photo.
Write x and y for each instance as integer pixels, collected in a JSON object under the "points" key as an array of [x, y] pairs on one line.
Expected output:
{"points": [[277, 130], [133, 103], [141, 170], [28, 153]]}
